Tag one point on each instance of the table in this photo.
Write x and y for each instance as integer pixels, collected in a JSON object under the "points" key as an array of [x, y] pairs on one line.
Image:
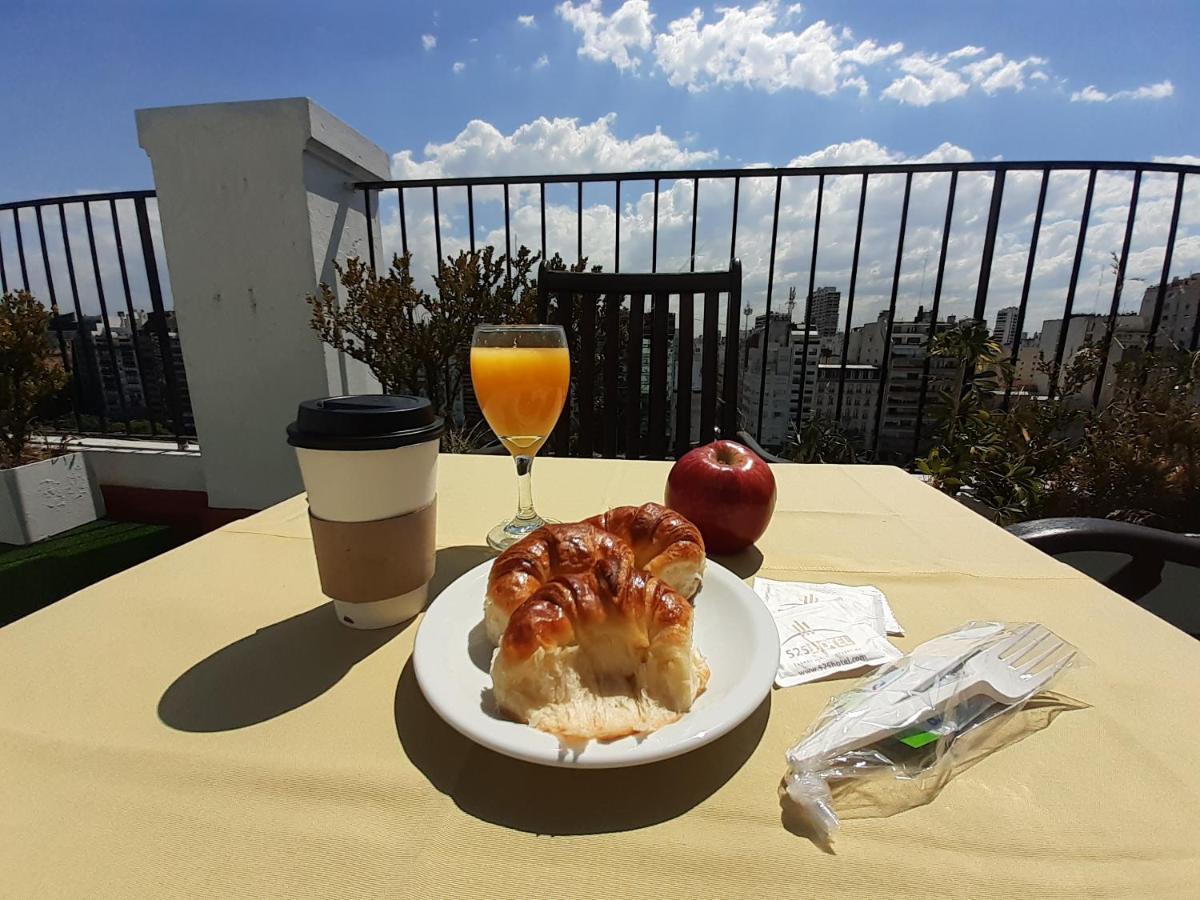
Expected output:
{"points": [[201, 724]]}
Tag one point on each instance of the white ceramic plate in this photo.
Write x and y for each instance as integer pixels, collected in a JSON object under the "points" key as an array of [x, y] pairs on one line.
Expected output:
{"points": [[732, 628]]}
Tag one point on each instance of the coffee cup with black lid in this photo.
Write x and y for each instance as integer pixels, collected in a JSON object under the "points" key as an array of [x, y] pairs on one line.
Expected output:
{"points": [[369, 464]]}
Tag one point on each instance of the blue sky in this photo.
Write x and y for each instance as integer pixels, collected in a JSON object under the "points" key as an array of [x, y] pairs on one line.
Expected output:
{"points": [[457, 88], [77, 71]]}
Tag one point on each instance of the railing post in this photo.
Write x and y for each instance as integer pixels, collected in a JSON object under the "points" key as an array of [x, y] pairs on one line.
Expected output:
{"points": [[989, 246], [256, 201]]}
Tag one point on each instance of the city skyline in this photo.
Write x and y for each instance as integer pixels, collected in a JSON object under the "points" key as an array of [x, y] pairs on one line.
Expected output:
{"points": [[880, 386], [873, 390], [1003, 327]]}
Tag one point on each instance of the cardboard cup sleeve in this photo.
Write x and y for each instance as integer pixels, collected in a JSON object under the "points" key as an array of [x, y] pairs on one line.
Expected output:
{"points": [[364, 562]]}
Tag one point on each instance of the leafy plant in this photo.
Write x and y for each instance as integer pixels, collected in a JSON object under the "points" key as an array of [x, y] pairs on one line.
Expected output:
{"points": [[420, 342], [467, 438], [29, 374], [998, 458], [823, 440], [1136, 458], [966, 440], [416, 341]]}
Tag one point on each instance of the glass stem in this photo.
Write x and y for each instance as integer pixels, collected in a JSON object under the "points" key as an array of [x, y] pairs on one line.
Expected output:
{"points": [[524, 487]]}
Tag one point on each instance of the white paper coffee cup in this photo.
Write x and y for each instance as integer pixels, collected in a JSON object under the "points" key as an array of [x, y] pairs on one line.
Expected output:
{"points": [[369, 465], [365, 485]]}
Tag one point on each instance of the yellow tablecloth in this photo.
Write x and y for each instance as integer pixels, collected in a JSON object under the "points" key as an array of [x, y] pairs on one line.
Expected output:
{"points": [[201, 725]]}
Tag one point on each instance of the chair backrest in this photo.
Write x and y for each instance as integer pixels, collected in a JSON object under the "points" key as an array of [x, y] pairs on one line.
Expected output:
{"points": [[619, 404]]}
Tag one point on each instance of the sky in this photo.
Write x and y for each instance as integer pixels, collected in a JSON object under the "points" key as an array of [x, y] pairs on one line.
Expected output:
{"points": [[464, 88]]}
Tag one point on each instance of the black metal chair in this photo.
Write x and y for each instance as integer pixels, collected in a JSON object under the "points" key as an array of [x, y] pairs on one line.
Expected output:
{"points": [[1149, 549], [594, 308], [745, 437]]}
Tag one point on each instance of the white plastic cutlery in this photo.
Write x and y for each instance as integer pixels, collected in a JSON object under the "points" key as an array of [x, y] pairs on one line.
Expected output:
{"points": [[1007, 671], [942, 689]]}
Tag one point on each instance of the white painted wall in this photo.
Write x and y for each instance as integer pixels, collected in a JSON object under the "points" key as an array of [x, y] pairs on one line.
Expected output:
{"points": [[162, 469], [256, 202]]}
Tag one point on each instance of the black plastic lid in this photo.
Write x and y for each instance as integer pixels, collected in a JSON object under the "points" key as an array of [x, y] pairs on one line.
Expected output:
{"points": [[364, 422]]}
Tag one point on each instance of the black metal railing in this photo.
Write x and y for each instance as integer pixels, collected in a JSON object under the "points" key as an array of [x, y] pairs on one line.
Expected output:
{"points": [[126, 376], [976, 276]]}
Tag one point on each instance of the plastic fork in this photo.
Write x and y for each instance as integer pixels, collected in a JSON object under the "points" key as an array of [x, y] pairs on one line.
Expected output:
{"points": [[1010, 670]]}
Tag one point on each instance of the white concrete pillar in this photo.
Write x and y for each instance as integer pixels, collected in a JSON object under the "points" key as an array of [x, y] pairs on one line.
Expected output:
{"points": [[255, 202]]}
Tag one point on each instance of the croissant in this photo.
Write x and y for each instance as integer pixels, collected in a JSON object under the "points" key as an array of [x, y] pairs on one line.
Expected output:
{"points": [[664, 543], [599, 654], [551, 551], [659, 540]]}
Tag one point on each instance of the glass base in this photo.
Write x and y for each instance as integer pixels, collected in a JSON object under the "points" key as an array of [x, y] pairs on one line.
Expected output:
{"points": [[508, 533]]}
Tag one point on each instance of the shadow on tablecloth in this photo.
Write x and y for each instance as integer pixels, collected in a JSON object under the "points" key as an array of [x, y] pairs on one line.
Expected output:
{"points": [[743, 564], [283, 666], [549, 800], [270, 672]]}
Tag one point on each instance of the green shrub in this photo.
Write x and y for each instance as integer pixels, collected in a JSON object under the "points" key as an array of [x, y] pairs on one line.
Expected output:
{"points": [[29, 372], [1136, 458], [417, 342]]}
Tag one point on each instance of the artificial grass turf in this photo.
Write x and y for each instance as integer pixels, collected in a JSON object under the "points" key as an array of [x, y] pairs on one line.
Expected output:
{"points": [[36, 575]]}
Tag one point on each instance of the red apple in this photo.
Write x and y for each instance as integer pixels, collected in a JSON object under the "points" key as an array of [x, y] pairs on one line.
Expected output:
{"points": [[727, 491]]}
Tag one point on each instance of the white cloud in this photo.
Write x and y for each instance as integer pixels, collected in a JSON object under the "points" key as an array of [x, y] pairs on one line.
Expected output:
{"points": [[745, 46], [756, 45], [927, 80], [933, 78], [526, 21], [1090, 95], [1158, 91], [458, 67], [541, 62], [865, 152], [428, 41], [997, 72], [610, 38], [858, 82], [547, 146]]}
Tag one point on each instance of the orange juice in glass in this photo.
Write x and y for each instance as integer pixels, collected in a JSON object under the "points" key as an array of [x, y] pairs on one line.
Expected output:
{"points": [[520, 375]]}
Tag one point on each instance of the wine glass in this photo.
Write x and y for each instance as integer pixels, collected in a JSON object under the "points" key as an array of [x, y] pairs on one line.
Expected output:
{"points": [[520, 374]]}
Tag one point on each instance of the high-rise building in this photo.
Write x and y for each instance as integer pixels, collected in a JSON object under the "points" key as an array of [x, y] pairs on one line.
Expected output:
{"points": [[766, 384], [777, 318], [901, 383], [1005, 332], [1087, 329], [120, 370], [859, 387], [806, 357], [786, 391], [826, 310], [1029, 376], [1181, 305]]}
